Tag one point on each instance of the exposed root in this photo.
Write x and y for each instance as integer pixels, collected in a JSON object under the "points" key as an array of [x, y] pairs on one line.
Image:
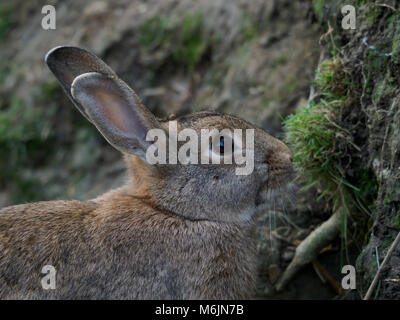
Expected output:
{"points": [[310, 247]]}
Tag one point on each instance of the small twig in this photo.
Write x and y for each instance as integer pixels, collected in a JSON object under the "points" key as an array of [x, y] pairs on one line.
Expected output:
{"points": [[387, 257], [394, 104], [315, 265], [326, 34], [386, 6], [282, 238], [322, 272], [392, 280], [329, 34]]}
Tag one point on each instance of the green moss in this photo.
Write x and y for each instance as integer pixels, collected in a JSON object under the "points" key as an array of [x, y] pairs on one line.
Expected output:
{"points": [[367, 183], [249, 28], [186, 40], [377, 62], [371, 17], [385, 50], [365, 180], [6, 22], [367, 13], [310, 131], [388, 240], [386, 201], [314, 132], [374, 73], [318, 6], [30, 131], [23, 132], [321, 146], [332, 81], [360, 3], [153, 32], [19, 122], [396, 41], [311, 137], [192, 42], [380, 90], [397, 221]]}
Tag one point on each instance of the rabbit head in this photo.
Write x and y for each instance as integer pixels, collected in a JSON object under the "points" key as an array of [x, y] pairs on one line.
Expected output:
{"points": [[196, 190]]}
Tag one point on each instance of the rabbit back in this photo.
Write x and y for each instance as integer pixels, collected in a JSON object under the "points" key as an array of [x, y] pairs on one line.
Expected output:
{"points": [[122, 248]]}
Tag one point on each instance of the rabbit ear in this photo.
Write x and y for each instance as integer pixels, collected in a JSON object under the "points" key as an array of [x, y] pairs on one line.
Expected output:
{"points": [[102, 98], [116, 111], [67, 63]]}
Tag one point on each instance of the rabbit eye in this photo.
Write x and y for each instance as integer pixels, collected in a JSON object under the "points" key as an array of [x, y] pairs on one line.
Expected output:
{"points": [[220, 147]]}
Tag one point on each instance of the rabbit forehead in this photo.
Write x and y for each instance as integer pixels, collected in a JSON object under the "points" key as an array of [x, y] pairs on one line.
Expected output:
{"points": [[263, 142], [210, 119]]}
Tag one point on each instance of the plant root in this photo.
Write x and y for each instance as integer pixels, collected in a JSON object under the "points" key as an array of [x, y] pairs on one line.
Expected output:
{"points": [[310, 247]]}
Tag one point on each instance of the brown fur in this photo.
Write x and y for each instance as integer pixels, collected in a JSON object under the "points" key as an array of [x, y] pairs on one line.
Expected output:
{"points": [[172, 232], [121, 248]]}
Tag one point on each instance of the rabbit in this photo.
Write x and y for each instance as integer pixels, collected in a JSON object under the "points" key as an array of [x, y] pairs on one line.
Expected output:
{"points": [[173, 231]]}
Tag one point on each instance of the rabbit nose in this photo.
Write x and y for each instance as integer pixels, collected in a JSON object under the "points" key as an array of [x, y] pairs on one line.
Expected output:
{"points": [[284, 158], [280, 156], [287, 156], [284, 152]]}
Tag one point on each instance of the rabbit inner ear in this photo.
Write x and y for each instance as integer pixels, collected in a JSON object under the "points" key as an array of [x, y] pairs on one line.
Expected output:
{"points": [[115, 110], [69, 62]]}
